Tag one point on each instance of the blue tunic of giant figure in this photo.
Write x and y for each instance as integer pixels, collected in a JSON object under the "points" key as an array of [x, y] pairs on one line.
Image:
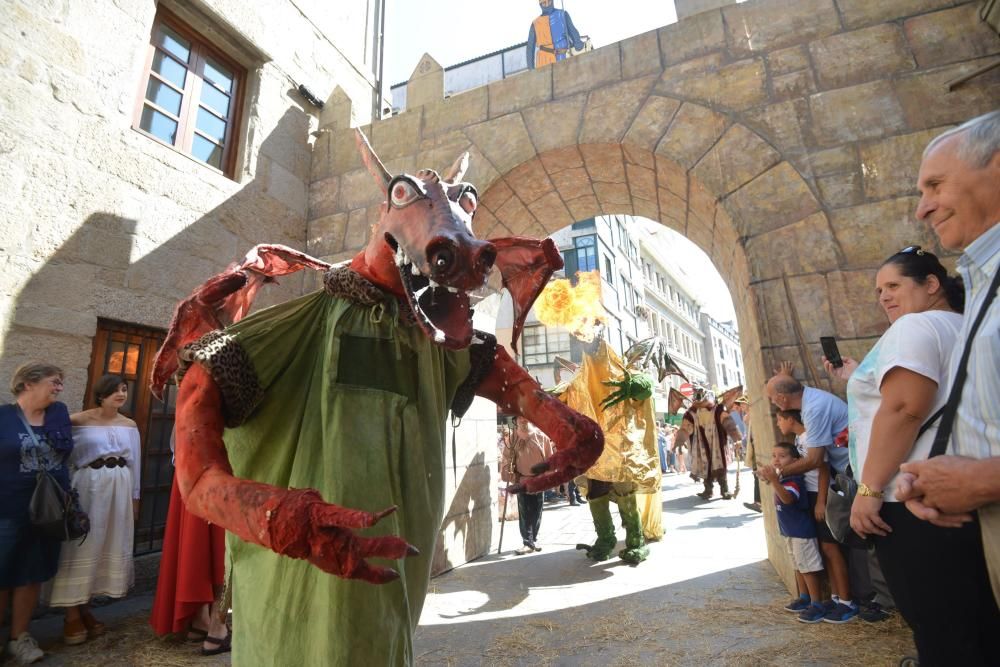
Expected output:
{"points": [[551, 35]]}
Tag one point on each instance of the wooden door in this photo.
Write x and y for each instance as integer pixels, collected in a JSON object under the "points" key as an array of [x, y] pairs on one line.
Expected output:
{"points": [[128, 350]]}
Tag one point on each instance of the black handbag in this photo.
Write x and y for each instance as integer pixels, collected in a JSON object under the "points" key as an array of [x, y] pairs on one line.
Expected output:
{"points": [[55, 512]]}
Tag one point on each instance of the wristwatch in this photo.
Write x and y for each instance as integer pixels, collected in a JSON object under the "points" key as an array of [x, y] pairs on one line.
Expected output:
{"points": [[865, 490]]}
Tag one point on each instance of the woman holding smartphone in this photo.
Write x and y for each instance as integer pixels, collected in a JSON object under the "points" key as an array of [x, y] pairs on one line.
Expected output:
{"points": [[896, 389]]}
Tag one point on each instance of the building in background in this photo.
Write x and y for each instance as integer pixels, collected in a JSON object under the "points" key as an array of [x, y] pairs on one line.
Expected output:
{"points": [[604, 244], [673, 313], [643, 293], [723, 358], [473, 73]]}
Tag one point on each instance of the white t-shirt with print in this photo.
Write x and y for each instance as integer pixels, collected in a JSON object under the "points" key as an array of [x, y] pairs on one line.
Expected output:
{"points": [[812, 476], [919, 342]]}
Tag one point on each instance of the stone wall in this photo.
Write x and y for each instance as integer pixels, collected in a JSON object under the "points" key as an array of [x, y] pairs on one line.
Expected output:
{"points": [[783, 137], [688, 8], [101, 221]]}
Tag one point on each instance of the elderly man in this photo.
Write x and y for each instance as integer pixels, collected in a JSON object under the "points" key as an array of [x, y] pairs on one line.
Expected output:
{"points": [[823, 416], [959, 182]]}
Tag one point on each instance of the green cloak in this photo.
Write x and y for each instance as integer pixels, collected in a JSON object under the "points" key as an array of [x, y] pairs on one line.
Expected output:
{"points": [[352, 401]]}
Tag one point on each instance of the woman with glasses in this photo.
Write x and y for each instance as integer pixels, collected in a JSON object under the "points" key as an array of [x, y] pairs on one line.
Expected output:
{"points": [[896, 389], [105, 464], [35, 436]]}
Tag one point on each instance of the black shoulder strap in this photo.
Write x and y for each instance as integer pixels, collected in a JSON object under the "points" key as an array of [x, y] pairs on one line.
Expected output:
{"points": [[930, 421], [951, 407], [24, 421]]}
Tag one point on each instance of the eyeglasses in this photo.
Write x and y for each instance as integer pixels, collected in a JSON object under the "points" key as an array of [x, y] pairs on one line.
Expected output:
{"points": [[912, 249], [56, 382]]}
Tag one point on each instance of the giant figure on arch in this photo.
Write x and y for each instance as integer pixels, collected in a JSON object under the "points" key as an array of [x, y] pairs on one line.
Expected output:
{"points": [[552, 36]]}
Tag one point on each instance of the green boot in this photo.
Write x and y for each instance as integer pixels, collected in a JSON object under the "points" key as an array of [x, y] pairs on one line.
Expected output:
{"points": [[635, 550], [605, 527]]}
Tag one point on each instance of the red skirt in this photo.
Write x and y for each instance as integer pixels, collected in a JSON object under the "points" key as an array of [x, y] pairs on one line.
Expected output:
{"points": [[192, 567]]}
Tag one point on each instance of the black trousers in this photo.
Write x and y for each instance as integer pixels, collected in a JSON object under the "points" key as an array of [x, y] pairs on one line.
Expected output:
{"points": [[939, 580], [529, 516]]}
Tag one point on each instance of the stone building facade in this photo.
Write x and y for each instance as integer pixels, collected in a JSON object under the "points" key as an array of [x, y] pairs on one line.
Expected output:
{"points": [[673, 310], [106, 226], [781, 137], [723, 357]]}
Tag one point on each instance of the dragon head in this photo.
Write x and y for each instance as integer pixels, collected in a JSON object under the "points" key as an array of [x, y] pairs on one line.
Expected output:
{"points": [[423, 249]]}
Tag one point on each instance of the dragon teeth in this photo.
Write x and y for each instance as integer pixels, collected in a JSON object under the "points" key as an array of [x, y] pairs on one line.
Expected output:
{"points": [[400, 257]]}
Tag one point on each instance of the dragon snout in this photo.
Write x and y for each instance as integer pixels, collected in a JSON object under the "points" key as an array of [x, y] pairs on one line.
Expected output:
{"points": [[459, 262], [485, 257]]}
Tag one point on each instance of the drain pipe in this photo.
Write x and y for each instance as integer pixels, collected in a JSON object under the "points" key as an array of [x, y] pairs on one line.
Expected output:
{"points": [[380, 51]]}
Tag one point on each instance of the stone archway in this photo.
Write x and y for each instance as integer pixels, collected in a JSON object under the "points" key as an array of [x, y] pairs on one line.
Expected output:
{"points": [[782, 138]]}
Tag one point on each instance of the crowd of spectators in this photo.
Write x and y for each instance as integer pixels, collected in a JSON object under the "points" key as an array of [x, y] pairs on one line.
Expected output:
{"points": [[922, 428], [95, 452]]}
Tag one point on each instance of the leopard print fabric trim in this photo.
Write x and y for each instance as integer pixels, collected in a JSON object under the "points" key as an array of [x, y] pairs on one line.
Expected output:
{"points": [[482, 354], [345, 283], [341, 281], [222, 356]]}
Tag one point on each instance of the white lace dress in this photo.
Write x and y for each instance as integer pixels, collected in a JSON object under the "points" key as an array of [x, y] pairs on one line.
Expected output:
{"points": [[102, 565]]}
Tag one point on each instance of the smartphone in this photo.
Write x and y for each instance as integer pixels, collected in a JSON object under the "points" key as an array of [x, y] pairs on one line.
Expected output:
{"points": [[830, 351]]}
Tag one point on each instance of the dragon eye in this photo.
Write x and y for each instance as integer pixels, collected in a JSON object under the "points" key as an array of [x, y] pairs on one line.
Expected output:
{"points": [[403, 193], [468, 201]]}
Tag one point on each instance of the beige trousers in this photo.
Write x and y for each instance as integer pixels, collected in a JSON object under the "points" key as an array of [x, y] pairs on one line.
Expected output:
{"points": [[989, 523]]}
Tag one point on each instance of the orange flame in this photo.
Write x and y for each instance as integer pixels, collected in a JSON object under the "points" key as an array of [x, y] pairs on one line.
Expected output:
{"points": [[577, 309]]}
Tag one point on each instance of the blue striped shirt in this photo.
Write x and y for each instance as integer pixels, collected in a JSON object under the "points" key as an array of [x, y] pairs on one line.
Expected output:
{"points": [[977, 426]]}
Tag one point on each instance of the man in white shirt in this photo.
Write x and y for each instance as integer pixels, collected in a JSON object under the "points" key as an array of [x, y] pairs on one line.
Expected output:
{"points": [[959, 182]]}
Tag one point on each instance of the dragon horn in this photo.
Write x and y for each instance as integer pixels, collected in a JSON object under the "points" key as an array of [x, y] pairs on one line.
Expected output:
{"points": [[457, 170], [372, 163]]}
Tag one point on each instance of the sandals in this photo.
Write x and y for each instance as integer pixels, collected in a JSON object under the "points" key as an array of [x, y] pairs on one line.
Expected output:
{"points": [[74, 632], [195, 635], [94, 627], [224, 645]]}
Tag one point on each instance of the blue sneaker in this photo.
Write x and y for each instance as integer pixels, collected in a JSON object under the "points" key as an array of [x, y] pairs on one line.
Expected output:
{"points": [[813, 614], [799, 604], [842, 613]]}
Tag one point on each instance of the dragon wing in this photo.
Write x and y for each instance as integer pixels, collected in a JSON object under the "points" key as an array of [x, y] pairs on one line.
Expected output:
{"points": [[729, 396], [525, 266], [224, 299], [675, 401]]}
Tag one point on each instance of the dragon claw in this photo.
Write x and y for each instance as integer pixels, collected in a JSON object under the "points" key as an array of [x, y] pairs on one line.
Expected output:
{"points": [[378, 516]]}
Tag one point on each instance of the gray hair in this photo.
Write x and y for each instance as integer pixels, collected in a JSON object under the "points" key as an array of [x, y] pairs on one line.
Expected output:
{"points": [[979, 139], [30, 373]]}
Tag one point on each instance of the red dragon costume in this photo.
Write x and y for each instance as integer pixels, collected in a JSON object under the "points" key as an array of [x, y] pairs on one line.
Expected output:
{"points": [[313, 431]]}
